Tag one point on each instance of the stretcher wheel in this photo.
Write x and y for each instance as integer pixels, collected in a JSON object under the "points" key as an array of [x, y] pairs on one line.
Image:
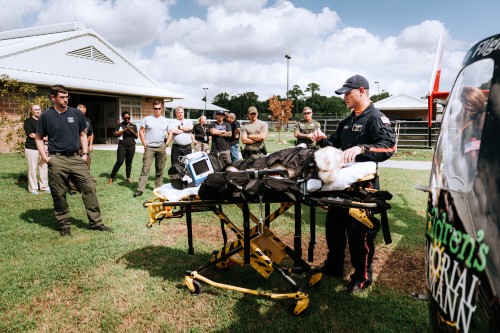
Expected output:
{"points": [[198, 287]]}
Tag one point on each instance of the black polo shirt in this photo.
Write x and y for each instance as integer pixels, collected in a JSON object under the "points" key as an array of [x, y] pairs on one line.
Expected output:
{"points": [[63, 129]]}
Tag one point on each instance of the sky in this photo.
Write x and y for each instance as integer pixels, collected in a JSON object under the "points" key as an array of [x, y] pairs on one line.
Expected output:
{"points": [[237, 46]]}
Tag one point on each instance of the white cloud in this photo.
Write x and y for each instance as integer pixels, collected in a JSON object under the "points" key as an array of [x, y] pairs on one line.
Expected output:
{"points": [[14, 16], [240, 45], [124, 23]]}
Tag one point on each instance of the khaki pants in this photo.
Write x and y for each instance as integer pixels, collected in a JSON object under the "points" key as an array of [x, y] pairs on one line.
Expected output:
{"points": [[34, 163], [159, 154], [61, 170]]}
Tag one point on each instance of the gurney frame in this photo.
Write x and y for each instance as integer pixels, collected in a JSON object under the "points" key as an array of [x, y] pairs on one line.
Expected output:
{"points": [[259, 246]]}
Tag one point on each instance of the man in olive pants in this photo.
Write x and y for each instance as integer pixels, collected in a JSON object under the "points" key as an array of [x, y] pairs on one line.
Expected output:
{"points": [[152, 134], [64, 127]]}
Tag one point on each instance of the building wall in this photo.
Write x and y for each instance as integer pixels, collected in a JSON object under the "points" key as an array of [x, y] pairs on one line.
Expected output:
{"points": [[10, 110], [406, 114]]}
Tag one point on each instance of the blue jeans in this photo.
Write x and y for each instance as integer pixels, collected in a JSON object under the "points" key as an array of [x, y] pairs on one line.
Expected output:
{"points": [[234, 152]]}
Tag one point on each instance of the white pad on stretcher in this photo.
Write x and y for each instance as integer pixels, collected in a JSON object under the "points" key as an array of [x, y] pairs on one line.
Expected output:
{"points": [[350, 174], [172, 194]]}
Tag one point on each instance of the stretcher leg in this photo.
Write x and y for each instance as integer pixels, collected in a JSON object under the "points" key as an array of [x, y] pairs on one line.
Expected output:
{"points": [[302, 299]]}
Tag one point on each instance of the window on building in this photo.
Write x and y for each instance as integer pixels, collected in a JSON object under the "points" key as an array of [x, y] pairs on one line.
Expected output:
{"points": [[132, 105]]}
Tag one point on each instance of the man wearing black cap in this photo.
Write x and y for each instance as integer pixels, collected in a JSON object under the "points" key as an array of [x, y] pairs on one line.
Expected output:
{"points": [[366, 135], [221, 133]]}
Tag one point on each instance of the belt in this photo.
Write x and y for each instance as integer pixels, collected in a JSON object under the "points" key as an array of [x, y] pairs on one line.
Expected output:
{"points": [[75, 153], [182, 146]]}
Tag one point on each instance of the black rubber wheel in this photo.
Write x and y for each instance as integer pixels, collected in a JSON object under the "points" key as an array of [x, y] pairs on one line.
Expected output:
{"points": [[198, 287]]}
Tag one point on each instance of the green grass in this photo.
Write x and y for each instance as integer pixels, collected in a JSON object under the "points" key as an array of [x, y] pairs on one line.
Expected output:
{"points": [[131, 280]]}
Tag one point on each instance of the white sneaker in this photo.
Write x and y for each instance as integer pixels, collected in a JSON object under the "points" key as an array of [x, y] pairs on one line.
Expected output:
{"points": [[47, 190], [35, 192]]}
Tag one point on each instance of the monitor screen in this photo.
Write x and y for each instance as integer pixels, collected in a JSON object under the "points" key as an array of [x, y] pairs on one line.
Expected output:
{"points": [[200, 167]]}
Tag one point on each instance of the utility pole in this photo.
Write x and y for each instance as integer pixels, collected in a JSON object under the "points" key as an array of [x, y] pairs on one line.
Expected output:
{"points": [[205, 99], [287, 71]]}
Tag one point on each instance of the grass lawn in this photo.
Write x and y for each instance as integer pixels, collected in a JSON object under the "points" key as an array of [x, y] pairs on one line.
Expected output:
{"points": [[131, 280]]}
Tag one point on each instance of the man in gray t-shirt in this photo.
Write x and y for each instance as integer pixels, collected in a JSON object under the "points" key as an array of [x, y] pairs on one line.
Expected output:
{"points": [[152, 134]]}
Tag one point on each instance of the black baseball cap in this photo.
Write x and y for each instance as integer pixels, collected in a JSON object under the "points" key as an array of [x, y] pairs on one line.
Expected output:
{"points": [[220, 112], [354, 82]]}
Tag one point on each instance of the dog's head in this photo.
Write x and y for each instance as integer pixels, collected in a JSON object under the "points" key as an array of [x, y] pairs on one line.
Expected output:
{"points": [[329, 161]]}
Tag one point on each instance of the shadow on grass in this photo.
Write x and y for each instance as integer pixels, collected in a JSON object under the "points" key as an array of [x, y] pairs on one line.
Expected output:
{"points": [[19, 178], [164, 262], [45, 218]]}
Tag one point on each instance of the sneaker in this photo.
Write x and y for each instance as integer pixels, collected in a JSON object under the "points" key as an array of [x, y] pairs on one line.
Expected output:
{"points": [[110, 181], [129, 180], [137, 194], [101, 227], [47, 190], [34, 192], [355, 287], [65, 232]]}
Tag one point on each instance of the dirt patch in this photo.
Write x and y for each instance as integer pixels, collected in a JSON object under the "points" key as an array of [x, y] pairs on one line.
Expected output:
{"points": [[399, 270]]}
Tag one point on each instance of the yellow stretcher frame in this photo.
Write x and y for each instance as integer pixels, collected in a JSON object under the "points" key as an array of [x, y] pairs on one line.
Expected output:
{"points": [[259, 246]]}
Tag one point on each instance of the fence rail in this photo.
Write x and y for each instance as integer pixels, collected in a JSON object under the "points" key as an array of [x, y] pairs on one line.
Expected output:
{"points": [[409, 134]]}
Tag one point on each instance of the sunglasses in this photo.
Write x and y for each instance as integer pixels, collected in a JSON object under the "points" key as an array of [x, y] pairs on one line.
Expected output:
{"points": [[307, 112], [253, 113], [126, 118], [157, 108]]}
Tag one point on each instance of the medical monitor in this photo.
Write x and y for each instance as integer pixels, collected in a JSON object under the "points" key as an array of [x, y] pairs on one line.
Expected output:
{"points": [[199, 166]]}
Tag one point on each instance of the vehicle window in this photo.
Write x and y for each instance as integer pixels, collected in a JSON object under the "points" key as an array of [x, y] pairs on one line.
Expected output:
{"points": [[455, 161]]}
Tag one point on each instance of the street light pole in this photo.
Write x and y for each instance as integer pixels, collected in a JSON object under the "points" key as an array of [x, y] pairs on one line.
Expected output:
{"points": [[239, 99], [378, 87], [205, 111], [287, 70]]}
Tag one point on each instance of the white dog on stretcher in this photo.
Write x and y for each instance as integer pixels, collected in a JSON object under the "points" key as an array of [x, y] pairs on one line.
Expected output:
{"points": [[337, 175]]}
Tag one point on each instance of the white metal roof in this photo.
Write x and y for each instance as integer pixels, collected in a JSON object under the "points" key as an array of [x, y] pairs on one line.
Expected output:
{"points": [[76, 57], [401, 102], [193, 104]]}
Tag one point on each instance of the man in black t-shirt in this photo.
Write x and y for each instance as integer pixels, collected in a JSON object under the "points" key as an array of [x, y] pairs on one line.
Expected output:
{"points": [[201, 135], [65, 129], [221, 132]]}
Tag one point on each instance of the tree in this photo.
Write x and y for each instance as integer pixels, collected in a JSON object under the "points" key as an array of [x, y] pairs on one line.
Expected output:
{"points": [[379, 97], [281, 112], [312, 87], [22, 95], [222, 100], [296, 94]]}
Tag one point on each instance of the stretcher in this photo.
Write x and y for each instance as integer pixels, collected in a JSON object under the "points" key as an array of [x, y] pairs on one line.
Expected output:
{"points": [[257, 246]]}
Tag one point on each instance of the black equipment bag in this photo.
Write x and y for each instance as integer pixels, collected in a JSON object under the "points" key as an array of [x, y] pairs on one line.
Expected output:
{"points": [[248, 186], [175, 174], [217, 161]]}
